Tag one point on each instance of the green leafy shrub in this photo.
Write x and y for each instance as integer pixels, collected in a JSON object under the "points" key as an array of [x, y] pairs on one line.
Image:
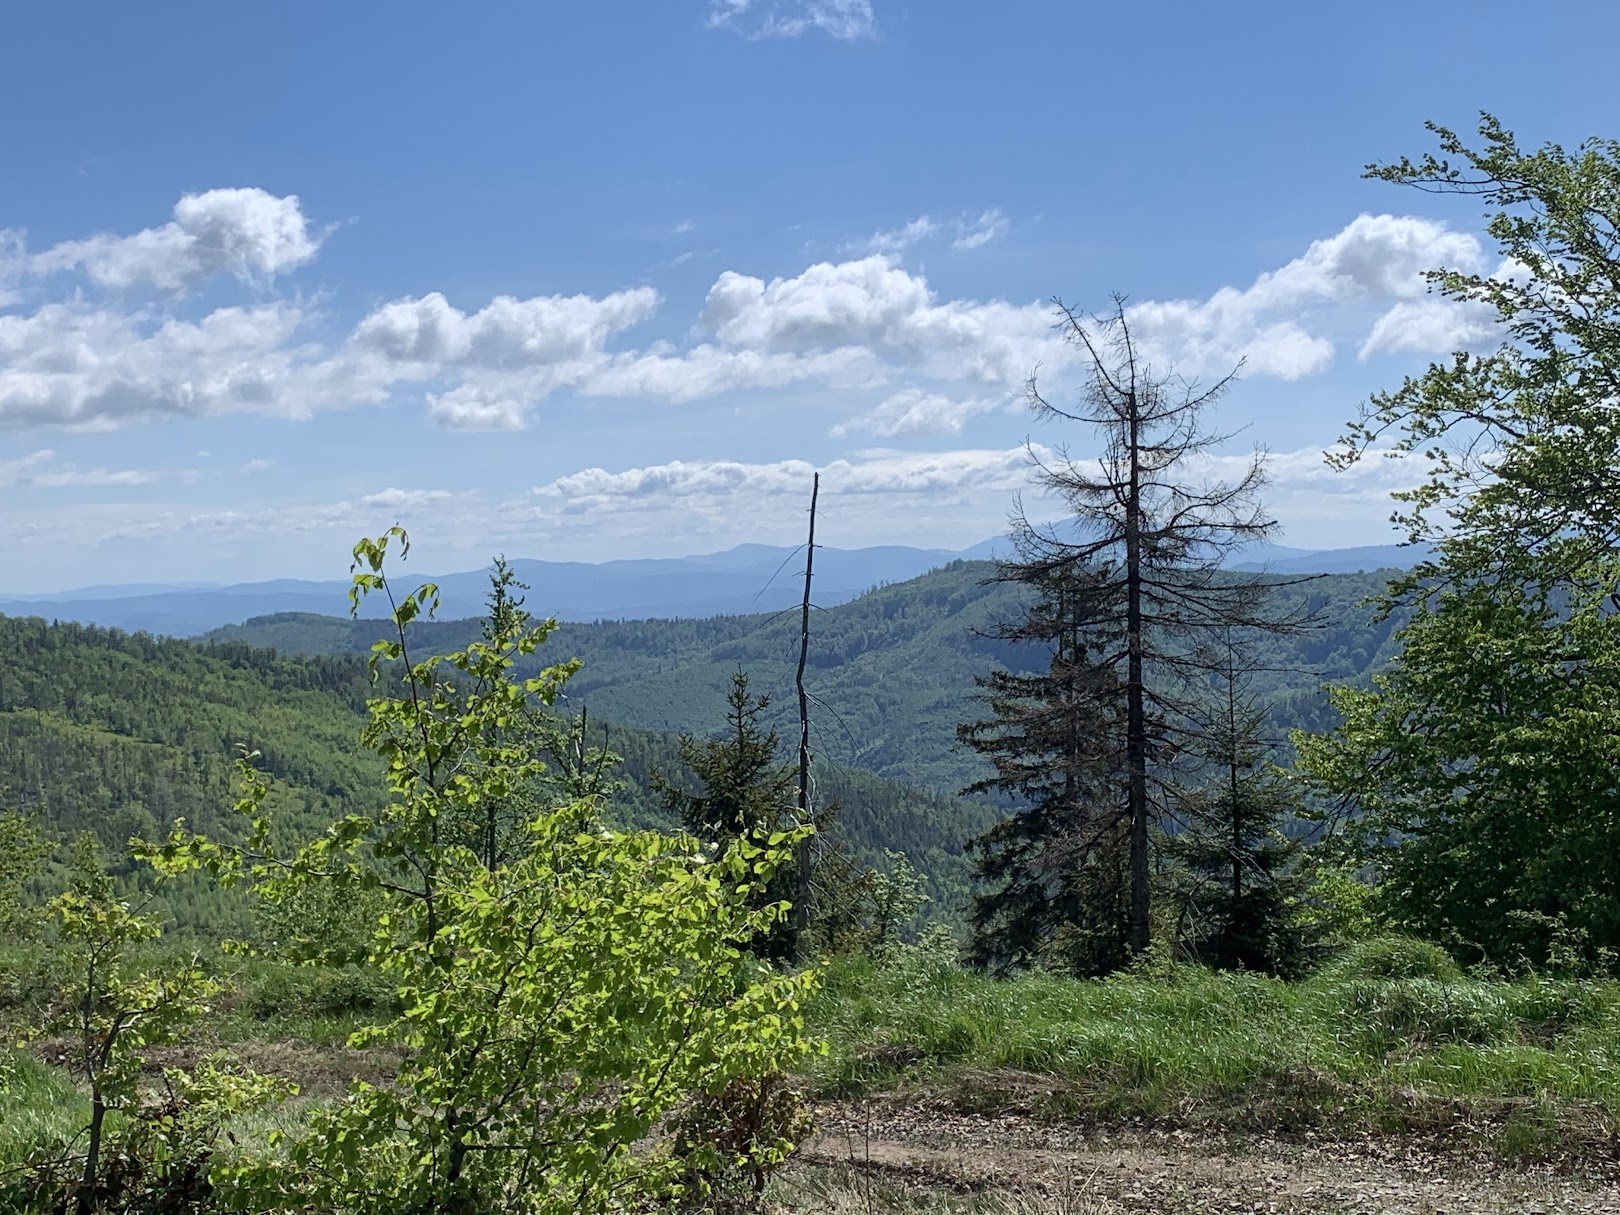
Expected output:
{"points": [[563, 988], [1416, 1014]]}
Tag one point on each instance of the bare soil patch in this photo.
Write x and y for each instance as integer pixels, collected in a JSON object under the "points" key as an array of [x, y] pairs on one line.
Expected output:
{"points": [[1010, 1162]]}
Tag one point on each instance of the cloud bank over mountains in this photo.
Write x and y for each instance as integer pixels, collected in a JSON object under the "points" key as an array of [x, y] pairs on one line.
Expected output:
{"points": [[215, 312]]}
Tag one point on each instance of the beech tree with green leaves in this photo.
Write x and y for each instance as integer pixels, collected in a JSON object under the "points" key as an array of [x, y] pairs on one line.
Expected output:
{"points": [[116, 1003], [1478, 774], [560, 1004]]}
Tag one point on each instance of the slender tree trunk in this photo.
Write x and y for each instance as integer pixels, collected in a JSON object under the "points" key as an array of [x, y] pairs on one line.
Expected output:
{"points": [[1232, 769], [92, 1158], [801, 897], [95, 1057], [1141, 928]]}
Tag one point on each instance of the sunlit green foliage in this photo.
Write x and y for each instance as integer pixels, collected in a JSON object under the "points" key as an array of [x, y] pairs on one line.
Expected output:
{"points": [[114, 1006], [1481, 766], [560, 997], [1391, 1038]]}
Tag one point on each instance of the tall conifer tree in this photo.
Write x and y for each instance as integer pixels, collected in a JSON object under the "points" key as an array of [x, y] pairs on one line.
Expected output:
{"points": [[1237, 894], [1053, 742], [746, 794], [1147, 536]]}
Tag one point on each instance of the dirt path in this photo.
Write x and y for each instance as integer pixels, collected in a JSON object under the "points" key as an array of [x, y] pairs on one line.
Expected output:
{"points": [[1035, 1167]]}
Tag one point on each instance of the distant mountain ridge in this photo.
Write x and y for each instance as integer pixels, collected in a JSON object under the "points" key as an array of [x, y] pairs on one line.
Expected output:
{"points": [[746, 579], [891, 673]]}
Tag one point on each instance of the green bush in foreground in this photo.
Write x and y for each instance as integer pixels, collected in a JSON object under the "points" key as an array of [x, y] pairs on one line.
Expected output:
{"points": [[561, 996]]}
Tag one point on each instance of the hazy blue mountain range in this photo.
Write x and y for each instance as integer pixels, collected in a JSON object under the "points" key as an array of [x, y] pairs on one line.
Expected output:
{"points": [[891, 671], [748, 578]]}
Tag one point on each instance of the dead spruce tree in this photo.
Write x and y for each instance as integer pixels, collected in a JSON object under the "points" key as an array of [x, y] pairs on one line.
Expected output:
{"points": [[1148, 532]]}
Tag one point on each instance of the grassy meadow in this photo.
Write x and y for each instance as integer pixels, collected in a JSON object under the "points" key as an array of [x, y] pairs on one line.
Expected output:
{"points": [[1389, 1037]]}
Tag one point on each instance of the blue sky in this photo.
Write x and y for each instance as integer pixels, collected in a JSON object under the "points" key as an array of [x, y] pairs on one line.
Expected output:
{"points": [[603, 280]]}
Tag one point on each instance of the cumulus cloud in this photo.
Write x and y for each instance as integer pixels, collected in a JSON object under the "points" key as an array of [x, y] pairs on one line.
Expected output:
{"points": [[246, 232], [1432, 325], [843, 19], [467, 408], [856, 325], [1373, 257], [506, 332], [874, 304], [911, 411], [77, 364]]}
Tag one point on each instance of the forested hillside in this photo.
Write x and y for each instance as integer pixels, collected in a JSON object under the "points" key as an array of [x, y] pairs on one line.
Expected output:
{"points": [[122, 734], [892, 672]]}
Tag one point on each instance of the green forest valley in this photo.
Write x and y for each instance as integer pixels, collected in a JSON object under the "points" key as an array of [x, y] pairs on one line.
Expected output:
{"points": [[1108, 876]]}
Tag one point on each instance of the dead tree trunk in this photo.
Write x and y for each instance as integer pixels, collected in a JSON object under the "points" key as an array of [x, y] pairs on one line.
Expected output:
{"points": [[801, 898]]}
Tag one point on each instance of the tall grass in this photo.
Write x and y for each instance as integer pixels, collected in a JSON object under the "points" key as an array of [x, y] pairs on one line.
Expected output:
{"points": [[1390, 1036], [40, 1107]]}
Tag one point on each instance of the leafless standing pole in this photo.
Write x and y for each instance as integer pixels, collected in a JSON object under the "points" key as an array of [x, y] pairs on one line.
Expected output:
{"points": [[801, 898]]}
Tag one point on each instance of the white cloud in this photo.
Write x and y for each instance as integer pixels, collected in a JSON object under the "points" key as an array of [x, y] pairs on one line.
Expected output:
{"points": [[707, 370], [911, 411], [1432, 325], [876, 305], [856, 325], [409, 499], [257, 465], [971, 233], [74, 364], [897, 239], [1374, 257], [42, 470], [842, 19], [990, 225], [723, 483], [506, 332], [247, 232], [23, 469], [466, 408]]}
